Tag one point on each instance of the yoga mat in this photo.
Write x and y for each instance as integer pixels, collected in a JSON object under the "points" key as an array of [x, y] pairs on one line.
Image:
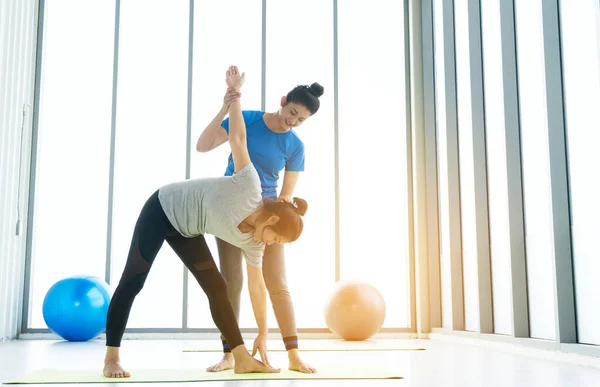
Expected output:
{"points": [[320, 350], [53, 376], [326, 347]]}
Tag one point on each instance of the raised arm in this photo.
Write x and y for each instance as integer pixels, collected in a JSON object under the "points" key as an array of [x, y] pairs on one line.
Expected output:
{"points": [[237, 127], [214, 134]]}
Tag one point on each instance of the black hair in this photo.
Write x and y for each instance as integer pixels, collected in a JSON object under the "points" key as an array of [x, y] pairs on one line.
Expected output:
{"points": [[290, 224], [307, 96]]}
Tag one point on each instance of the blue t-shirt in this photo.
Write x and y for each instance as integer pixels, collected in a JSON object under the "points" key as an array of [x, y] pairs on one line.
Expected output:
{"points": [[270, 152]]}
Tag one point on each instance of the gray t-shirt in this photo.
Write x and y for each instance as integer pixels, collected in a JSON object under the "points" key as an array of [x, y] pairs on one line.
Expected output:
{"points": [[216, 206]]}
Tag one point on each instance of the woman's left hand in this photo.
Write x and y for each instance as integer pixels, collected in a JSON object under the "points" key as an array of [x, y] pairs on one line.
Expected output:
{"points": [[284, 198], [231, 96], [260, 346], [234, 79]]}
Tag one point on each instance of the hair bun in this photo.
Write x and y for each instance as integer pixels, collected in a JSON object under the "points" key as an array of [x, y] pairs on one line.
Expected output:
{"points": [[316, 89], [301, 206]]}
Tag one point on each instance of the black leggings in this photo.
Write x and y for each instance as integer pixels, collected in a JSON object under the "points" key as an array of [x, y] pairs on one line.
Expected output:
{"points": [[151, 230]]}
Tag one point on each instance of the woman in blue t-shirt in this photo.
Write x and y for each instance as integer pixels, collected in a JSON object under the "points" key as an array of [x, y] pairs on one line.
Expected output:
{"points": [[273, 146]]}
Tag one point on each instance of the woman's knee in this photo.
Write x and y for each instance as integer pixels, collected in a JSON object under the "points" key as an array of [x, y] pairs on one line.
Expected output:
{"points": [[211, 281], [233, 276], [235, 286], [216, 289], [132, 285]]}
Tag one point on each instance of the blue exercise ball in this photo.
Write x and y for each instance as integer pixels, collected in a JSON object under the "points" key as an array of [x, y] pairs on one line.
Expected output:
{"points": [[75, 308]]}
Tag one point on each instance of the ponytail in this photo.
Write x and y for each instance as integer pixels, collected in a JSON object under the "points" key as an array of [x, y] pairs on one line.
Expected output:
{"points": [[300, 206]]}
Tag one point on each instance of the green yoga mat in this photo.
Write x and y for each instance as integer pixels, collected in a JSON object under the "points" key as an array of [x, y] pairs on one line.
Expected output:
{"points": [[324, 348], [53, 376], [320, 350]]}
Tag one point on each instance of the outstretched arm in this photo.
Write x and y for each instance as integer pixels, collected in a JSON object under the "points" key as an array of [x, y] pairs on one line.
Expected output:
{"points": [[258, 298], [290, 178], [237, 127]]}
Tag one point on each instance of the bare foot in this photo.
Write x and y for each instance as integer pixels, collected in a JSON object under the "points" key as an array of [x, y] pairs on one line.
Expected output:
{"points": [[113, 369], [226, 363], [296, 364], [252, 365], [244, 363]]}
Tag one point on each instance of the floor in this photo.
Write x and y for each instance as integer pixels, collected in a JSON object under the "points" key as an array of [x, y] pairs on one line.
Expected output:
{"points": [[442, 364]]}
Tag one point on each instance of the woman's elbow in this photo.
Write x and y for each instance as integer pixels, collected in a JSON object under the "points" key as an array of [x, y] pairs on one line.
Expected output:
{"points": [[201, 147]]}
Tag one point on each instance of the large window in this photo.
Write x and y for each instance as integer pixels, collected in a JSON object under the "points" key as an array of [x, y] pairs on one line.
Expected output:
{"points": [[301, 59], [158, 105], [372, 132], [72, 174], [150, 142], [221, 38], [581, 65]]}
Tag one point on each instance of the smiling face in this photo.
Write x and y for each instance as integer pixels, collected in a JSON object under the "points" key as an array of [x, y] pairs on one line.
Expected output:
{"points": [[292, 114]]}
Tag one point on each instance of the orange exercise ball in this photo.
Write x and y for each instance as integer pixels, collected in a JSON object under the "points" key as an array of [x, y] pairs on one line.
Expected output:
{"points": [[355, 310]]}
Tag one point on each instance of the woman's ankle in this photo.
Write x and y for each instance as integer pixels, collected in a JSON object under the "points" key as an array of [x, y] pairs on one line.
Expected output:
{"points": [[239, 351], [112, 353]]}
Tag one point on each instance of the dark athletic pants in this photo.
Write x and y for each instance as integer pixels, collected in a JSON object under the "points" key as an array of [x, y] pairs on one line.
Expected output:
{"points": [[151, 230]]}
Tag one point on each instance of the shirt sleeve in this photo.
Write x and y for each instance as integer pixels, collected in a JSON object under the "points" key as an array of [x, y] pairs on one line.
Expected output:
{"points": [[225, 124], [254, 256], [247, 174], [295, 163]]}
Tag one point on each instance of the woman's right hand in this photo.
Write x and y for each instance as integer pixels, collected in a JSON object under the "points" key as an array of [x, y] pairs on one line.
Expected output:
{"points": [[230, 97]]}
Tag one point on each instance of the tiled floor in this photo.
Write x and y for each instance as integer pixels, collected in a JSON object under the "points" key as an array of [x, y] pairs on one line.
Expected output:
{"points": [[442, 364]]}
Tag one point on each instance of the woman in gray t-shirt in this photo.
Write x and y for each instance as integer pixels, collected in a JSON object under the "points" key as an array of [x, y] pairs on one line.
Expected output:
{"points": [[230, 208]]}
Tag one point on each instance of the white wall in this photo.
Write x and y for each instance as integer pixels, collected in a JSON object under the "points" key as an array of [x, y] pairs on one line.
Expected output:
{"points": [[17, 58], [581, 60], [534, 302]]}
